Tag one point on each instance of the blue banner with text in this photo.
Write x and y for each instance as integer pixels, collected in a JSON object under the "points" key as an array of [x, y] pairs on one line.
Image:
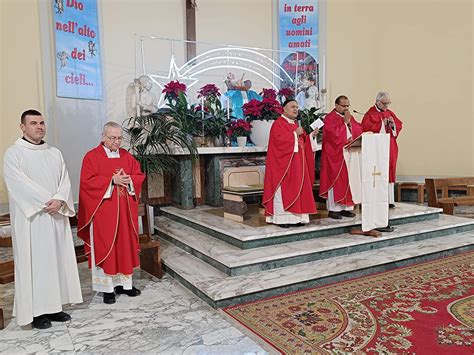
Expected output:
{"points": [[77, 50], [299, 34]]}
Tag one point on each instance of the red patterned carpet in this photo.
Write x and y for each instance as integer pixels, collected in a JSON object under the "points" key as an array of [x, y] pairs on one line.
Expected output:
{"points": [[424, 309]]}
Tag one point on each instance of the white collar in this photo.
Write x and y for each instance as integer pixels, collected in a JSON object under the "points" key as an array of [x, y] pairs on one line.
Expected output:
{"points": [[110, 153], [108, 150], [25, 144], [288, 119]]}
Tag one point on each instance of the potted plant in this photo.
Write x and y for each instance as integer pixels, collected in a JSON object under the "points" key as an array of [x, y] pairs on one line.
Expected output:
{"points": [[212, 114], [239, 130], [151, 140], [262, 114], [187, 117]]}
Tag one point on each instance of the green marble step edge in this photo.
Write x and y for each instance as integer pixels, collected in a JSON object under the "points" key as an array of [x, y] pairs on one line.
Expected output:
{"points": [[317, 255], [316, 281], [256, 243]]}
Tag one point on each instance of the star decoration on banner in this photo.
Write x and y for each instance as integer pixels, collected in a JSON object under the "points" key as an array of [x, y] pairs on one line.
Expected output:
{"points": [[173, 75]]}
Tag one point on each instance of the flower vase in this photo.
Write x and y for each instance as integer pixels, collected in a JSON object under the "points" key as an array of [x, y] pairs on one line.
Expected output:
{"points": [[260, 132], [241, 141]]}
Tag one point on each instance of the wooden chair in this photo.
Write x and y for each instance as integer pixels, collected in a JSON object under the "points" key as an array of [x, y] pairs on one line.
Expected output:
{"points": [[418, 186], [150, 255], [445, 185]]}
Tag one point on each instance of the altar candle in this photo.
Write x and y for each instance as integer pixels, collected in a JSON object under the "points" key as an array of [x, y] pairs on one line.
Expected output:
{"points": [[228, 108]]}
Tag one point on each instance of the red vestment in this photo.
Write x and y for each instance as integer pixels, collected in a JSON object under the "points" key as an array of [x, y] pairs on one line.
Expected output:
{"points": [[114, 219], [293, 172], [333, 166], [372, 121]]}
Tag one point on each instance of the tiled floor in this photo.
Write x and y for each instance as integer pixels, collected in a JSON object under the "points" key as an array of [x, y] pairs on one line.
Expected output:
{"points": [[165, 319]]}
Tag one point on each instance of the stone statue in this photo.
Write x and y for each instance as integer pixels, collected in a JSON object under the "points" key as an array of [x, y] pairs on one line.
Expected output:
{"points": [[140, 100]]}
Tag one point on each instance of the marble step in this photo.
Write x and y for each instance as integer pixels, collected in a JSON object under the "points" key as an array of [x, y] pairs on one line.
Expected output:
{"points": [[205, 219], [221, 290], [235, 261]]}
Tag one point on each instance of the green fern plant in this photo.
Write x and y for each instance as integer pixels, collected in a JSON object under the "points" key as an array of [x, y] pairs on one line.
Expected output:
{"points": [[152, 138]]}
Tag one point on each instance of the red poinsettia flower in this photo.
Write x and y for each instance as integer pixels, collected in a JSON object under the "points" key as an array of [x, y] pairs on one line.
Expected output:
{"points": [[238, 128], [288, 93], [267, 109], [269, 93], [208, 90], [252, 109], [173, 88]]}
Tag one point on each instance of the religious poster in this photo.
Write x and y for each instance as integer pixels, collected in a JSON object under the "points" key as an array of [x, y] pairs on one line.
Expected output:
{"points": [[77, 49], [298, 40]]}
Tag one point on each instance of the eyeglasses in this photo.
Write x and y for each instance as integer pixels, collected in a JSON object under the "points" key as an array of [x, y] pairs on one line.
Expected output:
{"points": [[343, 105], [385, 103], [115, 139]]}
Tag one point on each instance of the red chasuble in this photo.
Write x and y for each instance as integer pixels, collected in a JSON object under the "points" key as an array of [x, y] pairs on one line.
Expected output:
{"points": [[293, 172], [333, 167], [114, 219], [372, 121]]}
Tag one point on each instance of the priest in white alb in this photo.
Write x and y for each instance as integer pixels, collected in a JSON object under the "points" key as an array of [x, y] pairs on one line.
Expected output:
{"points": [[40, 200]]}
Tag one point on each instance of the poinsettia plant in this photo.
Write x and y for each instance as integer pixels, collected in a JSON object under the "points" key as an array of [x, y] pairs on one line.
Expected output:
{"points": [[269, 93], [209, 90], [186, 115], [173, 89], [214, 115], [267, 109], [238, 128], [285, 94]]}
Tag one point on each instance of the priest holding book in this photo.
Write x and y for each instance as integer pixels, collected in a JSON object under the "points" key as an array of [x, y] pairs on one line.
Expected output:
{"points": [[340, 128]]}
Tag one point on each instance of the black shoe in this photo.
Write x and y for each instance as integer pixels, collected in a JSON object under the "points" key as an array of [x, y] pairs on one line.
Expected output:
{"points": [[300, 224], [334, 215], [386, 229], [131, 293], [109, 297], [41, 322], [347, 214], [283, 225], [58, 317], [391, 205]]}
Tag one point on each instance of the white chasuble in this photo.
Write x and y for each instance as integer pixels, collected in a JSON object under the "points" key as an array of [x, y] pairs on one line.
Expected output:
{"points": [[375, 152], [46, 275]]}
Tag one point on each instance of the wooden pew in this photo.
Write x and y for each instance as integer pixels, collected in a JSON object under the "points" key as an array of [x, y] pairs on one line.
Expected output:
{"points": [[445, 185]]}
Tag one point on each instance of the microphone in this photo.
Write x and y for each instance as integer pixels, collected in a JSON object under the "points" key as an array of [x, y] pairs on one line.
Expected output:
{"points": [[360, 113]]}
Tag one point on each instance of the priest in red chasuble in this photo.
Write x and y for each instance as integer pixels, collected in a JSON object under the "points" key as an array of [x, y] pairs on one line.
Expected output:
{"points": [[340, 128], [379, 119], [289, 172], [110, 186]]}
